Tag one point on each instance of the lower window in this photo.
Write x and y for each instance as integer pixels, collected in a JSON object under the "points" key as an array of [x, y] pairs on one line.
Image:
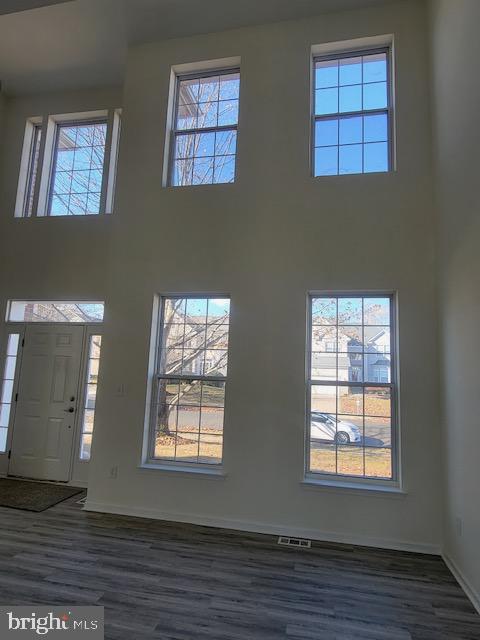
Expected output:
{"points": [[351, 387], [189, 381]]}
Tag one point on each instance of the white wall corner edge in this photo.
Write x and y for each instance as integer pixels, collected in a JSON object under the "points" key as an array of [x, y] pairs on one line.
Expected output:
{"points": [[465, 584], [265, 528]]}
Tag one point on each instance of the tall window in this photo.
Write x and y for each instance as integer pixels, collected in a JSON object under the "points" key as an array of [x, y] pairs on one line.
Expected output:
{"points": [[352, 113], [90, 396], [205, 128], [351, 390], [73, 173], [189, 390], [77, 171], [6, 387]]}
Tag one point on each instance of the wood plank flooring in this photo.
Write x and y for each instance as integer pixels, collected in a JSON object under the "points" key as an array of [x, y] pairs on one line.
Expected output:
{"points": [[168, 581]]}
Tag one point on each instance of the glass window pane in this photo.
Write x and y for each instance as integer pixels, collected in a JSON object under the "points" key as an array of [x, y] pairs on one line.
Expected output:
{"points": [[224, 169], [350, 367], [350, 311], [326, 161], [350, 460], [3, 439], [324, 338], [326, 74], [377, 402], [324, 366], [4, 415], [375, 95], [326, 132], [188, 91], [210, 448], [186, 117], [205, 144], [350, 98], [213, 394], [208, 89], [375, 67], [22, 311], [351, 71], [324, 310], [326, 101], [350, 159], [378, 432], [323, 457], [376, 311], [227, 112], [378, 463], [185, 145], [10, 367], [376, 128], [12, 344], [377, 339], [350, 130], [350, 400], [375, 157], [229, 86], [225, 143], [323, 398], [7, 391], [183, 172]]}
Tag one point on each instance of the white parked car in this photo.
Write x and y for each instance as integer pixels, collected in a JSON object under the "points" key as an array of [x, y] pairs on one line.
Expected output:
{"points": [[325, 426]]}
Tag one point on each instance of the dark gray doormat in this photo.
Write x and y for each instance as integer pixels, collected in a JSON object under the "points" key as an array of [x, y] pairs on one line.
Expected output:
{"points": [[33, 496]]}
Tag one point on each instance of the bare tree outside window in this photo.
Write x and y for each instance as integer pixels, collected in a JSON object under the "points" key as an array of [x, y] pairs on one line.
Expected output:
{"points": [[205, 129], [77, 173], [191, 377]]}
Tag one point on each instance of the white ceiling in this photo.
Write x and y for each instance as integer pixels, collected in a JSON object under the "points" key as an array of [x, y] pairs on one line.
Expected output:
{"points": [[82, 43]]}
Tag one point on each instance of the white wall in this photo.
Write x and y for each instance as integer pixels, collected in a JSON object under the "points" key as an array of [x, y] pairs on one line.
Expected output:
{"points": [[456, 95], [268, 239]]}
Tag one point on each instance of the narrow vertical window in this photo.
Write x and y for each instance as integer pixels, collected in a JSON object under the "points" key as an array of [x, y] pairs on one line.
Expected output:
{"points": [[351, 387], [77, 171], [205, 128], [352, 113], [90, 396], [7, 384], [190, 381], [32, 170]]}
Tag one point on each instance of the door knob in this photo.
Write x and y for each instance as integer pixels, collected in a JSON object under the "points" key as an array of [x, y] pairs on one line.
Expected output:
{"points": [[69, 410]]}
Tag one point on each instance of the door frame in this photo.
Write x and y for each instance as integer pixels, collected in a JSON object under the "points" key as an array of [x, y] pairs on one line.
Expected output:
{"points": [[89, 329]]}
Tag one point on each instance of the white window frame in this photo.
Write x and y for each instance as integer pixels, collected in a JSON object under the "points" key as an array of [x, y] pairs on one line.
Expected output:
{"points": [[184, 72], [334, 479], [49, 128], [154, 376], [319, 55]]}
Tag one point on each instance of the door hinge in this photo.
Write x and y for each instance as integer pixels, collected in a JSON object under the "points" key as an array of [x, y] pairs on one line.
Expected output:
{"points": [[23, 342], [16, 397], [9, 454]]}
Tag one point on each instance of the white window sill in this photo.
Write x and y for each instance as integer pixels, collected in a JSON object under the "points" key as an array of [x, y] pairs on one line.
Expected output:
{"points": [[175, 469], [354, 487]]}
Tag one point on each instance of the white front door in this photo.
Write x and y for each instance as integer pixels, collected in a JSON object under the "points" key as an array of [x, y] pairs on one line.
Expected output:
{"points": [[47, 402]]}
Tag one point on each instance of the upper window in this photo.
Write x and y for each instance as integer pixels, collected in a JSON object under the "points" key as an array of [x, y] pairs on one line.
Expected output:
{"points": [[351, 390], [190, 379], [73, 172], [77, 169], [352, 113], [204, 136]]}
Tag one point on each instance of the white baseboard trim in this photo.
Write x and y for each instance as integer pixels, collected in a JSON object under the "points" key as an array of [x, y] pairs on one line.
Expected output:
{"points": [[472, 594], [262, 527]]}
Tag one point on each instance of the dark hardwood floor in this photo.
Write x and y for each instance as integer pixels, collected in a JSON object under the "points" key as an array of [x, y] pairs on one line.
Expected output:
{"points": [[180, 582]]}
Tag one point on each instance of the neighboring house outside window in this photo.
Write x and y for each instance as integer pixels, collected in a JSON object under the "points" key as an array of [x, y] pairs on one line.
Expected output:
{"points": [[351, 419]]}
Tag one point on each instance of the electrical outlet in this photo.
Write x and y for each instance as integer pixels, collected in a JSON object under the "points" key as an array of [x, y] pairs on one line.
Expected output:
{"points": [[114, 472]]}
